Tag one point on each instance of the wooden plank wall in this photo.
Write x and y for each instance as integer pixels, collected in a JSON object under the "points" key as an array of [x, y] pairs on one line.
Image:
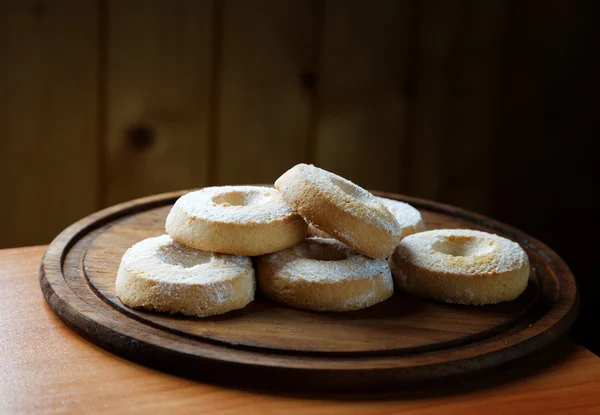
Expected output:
{"points": [[362, 108], [459, 73], [48, 117], [158, 75], [263, 111], [103, 101]]}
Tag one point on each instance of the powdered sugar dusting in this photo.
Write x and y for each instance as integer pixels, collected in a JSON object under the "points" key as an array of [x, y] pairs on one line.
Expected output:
{"points": [[366, 299], [147, 259], [355, 266], [485, 253], [354, 198], [409, 218], [324, 263], [260, 204]]}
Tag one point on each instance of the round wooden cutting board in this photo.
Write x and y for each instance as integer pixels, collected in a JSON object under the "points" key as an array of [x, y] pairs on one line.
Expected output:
{"points": [[400, 342]]}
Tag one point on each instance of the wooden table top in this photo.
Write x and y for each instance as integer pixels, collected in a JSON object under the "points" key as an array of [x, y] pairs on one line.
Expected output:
{"points": [[47, 368]]}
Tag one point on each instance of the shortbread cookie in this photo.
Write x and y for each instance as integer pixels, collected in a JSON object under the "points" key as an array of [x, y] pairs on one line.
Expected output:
{"points": [[238, 220], [340, 208], [162, 275], [461, 266], [324, 275], [409, 219]]}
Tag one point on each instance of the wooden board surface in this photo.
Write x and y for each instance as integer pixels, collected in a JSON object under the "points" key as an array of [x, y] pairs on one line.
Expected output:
{"points": [[402, 325], [56, 371], [401, 341]]}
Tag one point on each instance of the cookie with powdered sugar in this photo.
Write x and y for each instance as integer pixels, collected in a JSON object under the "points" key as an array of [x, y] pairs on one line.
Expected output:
{"points": [[237, 220], [162, 275], [409, 219], [340, 208], [461, 266], [324, 275]]}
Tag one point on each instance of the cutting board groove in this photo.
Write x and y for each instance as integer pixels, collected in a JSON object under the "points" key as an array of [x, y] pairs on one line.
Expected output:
{"points": [[402, 341]]}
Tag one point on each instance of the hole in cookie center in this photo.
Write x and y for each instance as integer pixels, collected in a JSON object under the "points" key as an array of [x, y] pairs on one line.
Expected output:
{"points": [[237, 198], [177, 254], [351, 189], [463, 246], [321, 251]]}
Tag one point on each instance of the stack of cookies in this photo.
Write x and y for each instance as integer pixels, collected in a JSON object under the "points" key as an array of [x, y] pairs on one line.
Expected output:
{"points": [[317, 242]]}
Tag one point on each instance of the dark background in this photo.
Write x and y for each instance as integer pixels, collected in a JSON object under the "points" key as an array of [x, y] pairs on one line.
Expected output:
{"points": [[488, 105]]}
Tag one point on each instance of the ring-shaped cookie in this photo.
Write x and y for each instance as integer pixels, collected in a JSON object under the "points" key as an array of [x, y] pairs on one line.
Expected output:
{"points": [[461, 266], [324, 275], [237, 220], [409, 219], [340, 208], [162, 275]]}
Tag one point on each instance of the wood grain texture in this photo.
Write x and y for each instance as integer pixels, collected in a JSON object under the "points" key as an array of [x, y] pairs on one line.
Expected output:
{"points": [[439, 25], [538, 52], [401, 325], [263, 109], [158, 72], [362, 107], [474, 83], [268, 345], [118, 99], [48, 116], [54, 370]]}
